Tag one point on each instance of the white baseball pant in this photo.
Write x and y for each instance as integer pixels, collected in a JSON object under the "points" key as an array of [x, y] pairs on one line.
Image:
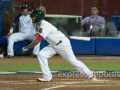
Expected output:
{"points": [[16, 37], [63, 49]]}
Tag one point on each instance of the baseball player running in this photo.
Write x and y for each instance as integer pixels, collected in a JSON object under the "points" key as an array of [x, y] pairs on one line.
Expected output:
{"points": [[59, 44], [26, 31]]}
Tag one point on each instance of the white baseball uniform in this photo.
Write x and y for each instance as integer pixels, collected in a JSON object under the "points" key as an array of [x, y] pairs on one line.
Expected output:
{"points": [[26, 32], [59, 44]]}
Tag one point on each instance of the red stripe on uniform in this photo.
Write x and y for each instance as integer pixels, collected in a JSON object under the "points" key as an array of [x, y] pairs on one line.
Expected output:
{"points": [[39, 37]]}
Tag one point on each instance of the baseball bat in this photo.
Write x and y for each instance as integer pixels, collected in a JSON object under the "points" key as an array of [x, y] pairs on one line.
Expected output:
{"points": [[79, 38]]}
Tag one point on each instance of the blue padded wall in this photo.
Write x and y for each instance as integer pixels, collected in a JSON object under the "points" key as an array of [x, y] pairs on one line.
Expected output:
{"points": [[0, 18], [19, 45], [107, 46], [46, 43], [96, 46], [116, 21], [3, 41], [83, 47]]}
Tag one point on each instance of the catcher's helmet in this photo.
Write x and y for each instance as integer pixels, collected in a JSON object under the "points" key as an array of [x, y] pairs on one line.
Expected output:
{"points": [[38, 14], [25, 5]]}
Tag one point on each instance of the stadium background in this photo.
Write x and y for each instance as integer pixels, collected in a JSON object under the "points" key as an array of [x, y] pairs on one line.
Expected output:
{"points": [[97, 45], [20, 72]]}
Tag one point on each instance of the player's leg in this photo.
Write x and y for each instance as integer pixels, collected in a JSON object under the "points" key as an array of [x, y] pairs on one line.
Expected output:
{"points": [[36, 49], [43, 56], [13, 38], [67, 53], [95, 33]]}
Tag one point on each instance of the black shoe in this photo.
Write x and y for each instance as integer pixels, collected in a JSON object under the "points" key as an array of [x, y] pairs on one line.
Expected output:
{"points": [[10, 56], [34, 56]]}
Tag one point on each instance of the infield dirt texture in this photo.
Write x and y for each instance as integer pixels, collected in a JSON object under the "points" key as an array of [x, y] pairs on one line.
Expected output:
{"points": [[61, 81]]}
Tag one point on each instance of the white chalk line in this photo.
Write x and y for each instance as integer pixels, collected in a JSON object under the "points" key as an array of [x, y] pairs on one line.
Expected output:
{"points": [[62, 85], [55, 87], [73, 84], [77, 86]]}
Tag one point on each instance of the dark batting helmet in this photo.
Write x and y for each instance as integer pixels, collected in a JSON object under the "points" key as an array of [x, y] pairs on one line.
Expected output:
{"points": [[25, 5], [38, 14]]}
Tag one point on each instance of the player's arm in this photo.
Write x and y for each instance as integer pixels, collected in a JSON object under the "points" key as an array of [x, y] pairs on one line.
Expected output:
{"points": [[15, 21], [102, 23], [84, 21], [33, 43]]}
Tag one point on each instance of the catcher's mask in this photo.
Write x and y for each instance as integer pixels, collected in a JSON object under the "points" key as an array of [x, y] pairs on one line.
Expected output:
{"points": [[25, 5], [38, 14]]}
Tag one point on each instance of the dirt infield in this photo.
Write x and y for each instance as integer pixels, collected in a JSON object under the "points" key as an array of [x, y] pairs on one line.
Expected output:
{"points": [[28, 81]]}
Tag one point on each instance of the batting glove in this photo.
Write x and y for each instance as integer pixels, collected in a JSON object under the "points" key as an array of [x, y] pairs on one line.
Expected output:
{"points": [[24, 49]]}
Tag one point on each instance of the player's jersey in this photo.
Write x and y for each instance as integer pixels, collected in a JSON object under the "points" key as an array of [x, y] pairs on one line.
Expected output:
{"points": [[50, 33], [25, 24]]}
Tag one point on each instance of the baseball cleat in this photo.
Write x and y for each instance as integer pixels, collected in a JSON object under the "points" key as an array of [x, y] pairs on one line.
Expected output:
{"points": [[43, 80], [10, 56], [93, 78], [34, 56]]}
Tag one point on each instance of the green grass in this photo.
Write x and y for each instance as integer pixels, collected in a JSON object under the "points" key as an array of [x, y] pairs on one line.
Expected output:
{"points": [[19, 67], [57, 66], [103, 66]]}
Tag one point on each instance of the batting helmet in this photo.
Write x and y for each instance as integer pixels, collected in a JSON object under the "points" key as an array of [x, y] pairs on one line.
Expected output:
{"points": [[38, 14], [25, 5]]}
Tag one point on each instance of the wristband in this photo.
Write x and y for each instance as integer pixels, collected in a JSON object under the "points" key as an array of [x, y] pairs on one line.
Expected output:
{"points": [[13, 25], [11, 30]]}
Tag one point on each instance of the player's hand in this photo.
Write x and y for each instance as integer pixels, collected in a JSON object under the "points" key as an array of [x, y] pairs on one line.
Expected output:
{"points": [[9, 34], [97, 28], [24, 49]]}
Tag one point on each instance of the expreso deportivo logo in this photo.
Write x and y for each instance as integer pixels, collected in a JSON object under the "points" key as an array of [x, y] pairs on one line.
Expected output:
{"points": [[78, 74]]}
